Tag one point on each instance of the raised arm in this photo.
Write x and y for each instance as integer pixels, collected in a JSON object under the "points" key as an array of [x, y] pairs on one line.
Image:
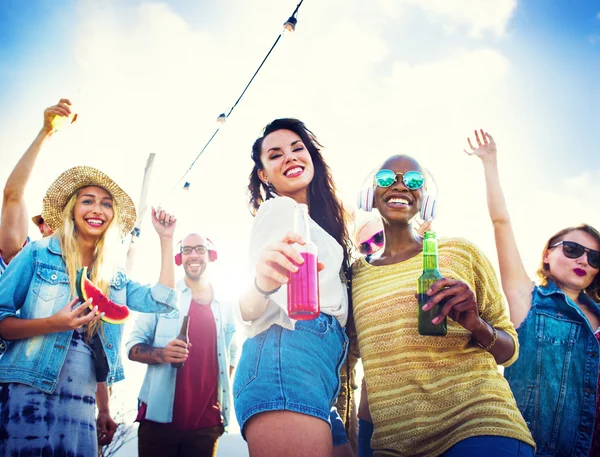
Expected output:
{"points": [[164, 224], [516, 284], [14, 222]]}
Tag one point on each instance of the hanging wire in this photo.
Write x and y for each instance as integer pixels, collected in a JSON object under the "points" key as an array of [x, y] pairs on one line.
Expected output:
{"points": [[223, 117]]}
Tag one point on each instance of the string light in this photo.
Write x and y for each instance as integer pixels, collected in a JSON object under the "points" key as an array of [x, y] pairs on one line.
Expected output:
{"points": [[288, 26]]}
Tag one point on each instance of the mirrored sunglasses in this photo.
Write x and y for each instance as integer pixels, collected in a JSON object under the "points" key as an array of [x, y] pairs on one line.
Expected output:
{"points": [[413, 180]]}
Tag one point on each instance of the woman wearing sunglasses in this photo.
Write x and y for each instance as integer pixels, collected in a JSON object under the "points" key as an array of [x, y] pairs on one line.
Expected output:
{"points": [[288, 374], [433, 395], [555, 379]]}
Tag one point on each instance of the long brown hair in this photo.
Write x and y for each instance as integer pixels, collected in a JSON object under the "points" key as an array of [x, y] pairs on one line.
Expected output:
{"points": [[326, 209], [593, 290]]}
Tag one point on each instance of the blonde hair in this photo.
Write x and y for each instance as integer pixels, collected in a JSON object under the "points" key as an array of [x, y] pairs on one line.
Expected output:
{"points": [[544, 273], [99, 271]]}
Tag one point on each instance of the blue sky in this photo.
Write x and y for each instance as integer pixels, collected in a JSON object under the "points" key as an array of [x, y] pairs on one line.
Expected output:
{"points": [[371, 79]]}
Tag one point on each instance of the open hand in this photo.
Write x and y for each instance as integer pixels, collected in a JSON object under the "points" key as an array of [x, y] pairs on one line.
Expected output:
{"points": [[459, 303], [486, 146]]}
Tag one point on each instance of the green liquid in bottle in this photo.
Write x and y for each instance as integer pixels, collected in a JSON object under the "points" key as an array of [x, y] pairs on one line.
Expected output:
{"points": [[430, 275]]}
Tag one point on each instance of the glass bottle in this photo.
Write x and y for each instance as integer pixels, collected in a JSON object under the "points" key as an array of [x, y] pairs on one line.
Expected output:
{"points": [[303, 286], [430, 275], [183, 336]]}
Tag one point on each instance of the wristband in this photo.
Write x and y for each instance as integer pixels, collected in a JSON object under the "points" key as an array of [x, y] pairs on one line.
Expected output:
{"points": [[265, 293], [495, 337]]}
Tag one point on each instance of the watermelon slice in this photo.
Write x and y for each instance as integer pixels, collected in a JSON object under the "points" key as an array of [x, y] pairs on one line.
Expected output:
{"points": [[113, 313]]}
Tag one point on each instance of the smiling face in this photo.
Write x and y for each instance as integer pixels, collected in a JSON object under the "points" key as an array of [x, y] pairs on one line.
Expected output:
{"points": [[397, 202], [287, 164], [93, 211], [575, 274], [194, 263]]}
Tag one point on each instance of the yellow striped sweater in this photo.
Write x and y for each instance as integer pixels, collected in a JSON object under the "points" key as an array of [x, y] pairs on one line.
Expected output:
{"points": [[428, 393]]}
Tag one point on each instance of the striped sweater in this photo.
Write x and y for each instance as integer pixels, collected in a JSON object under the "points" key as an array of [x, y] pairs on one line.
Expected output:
{"points": [[428, 393]]}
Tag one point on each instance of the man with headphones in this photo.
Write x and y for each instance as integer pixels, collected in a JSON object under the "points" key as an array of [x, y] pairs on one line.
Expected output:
{"points": [[183, 412]]}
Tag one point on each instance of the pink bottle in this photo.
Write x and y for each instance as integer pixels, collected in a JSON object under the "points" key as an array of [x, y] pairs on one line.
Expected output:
{"points": [[303, 287]]}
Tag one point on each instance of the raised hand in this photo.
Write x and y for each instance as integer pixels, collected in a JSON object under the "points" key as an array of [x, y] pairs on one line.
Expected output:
{"points": [[57, 115], [69, 317], [486, 146], [163, 222]]}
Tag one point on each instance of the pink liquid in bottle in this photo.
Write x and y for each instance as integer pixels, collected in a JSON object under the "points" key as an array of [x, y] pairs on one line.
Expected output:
{"points": [[303, 288]]}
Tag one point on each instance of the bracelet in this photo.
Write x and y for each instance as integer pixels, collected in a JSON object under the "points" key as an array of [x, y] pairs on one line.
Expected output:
{"points": [[495, 337], [265, 293]]}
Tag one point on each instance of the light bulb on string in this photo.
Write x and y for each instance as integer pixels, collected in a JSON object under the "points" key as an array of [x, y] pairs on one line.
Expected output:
{"points": [[186, 186], [222, 118], [290, 25]]}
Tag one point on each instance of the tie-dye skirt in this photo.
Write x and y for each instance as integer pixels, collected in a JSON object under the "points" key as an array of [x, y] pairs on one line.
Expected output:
{"points": [[33, 423]]}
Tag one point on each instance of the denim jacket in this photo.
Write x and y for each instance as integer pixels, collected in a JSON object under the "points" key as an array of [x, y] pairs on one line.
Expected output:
{"points": [[555, 379], [158, 388], [36, 285]]}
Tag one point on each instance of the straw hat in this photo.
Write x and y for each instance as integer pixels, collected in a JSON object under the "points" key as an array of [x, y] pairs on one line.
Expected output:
{"points": [[69, 182], [37, 219]]}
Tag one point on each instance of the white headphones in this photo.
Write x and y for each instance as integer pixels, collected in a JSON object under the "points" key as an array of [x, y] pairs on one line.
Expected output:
{"points": [[428, 205]]}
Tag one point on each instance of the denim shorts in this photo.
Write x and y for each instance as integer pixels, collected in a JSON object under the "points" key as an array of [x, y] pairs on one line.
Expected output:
{"points": [[293, 370]]}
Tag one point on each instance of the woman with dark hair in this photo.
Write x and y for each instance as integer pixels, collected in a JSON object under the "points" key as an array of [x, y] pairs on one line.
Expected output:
{"points": [[288, 375], [555, 380]]}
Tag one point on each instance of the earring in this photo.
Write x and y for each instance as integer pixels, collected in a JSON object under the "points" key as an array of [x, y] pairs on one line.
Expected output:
{"points": [[270, 189]]}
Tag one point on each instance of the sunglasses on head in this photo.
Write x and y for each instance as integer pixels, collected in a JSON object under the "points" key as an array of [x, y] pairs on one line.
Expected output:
{"points": [[574, 250], [365, 247], [413, 180]]}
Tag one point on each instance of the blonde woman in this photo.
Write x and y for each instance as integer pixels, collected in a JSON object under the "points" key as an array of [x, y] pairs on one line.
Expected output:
{"points": [[56, 352]]}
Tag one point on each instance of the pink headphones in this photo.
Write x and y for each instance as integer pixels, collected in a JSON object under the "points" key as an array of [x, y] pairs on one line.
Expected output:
{"points": [[212, 252]]}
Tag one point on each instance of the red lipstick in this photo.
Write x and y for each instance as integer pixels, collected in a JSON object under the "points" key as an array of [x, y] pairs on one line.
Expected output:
{"points": [[579, 272]]}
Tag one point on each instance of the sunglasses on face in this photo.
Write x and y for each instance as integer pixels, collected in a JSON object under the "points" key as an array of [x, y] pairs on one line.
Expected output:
{"points": [[187, 250], [365, 247], [413, 180], [574, 250]]}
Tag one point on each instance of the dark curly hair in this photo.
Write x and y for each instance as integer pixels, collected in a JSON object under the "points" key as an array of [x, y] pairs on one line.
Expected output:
{"points": [[544, 273], [326, 209]]}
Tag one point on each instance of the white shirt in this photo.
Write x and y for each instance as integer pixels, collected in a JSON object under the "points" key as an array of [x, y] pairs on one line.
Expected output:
{"points": [[274, 219]]}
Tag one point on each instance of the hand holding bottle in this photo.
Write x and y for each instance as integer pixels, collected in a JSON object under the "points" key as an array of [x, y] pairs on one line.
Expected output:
{"points": [[277, 260], [459, 303]]}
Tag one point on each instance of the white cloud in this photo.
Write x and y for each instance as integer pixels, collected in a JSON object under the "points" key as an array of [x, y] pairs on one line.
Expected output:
{"points": [[478, 16]]}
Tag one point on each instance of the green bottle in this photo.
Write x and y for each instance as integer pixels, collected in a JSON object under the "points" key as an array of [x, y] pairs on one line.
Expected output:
{"points": [[430, 275]]}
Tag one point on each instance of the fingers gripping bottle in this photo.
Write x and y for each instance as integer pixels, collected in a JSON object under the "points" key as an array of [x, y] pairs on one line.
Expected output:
{"points": [[430, 275], [303, 286]]}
